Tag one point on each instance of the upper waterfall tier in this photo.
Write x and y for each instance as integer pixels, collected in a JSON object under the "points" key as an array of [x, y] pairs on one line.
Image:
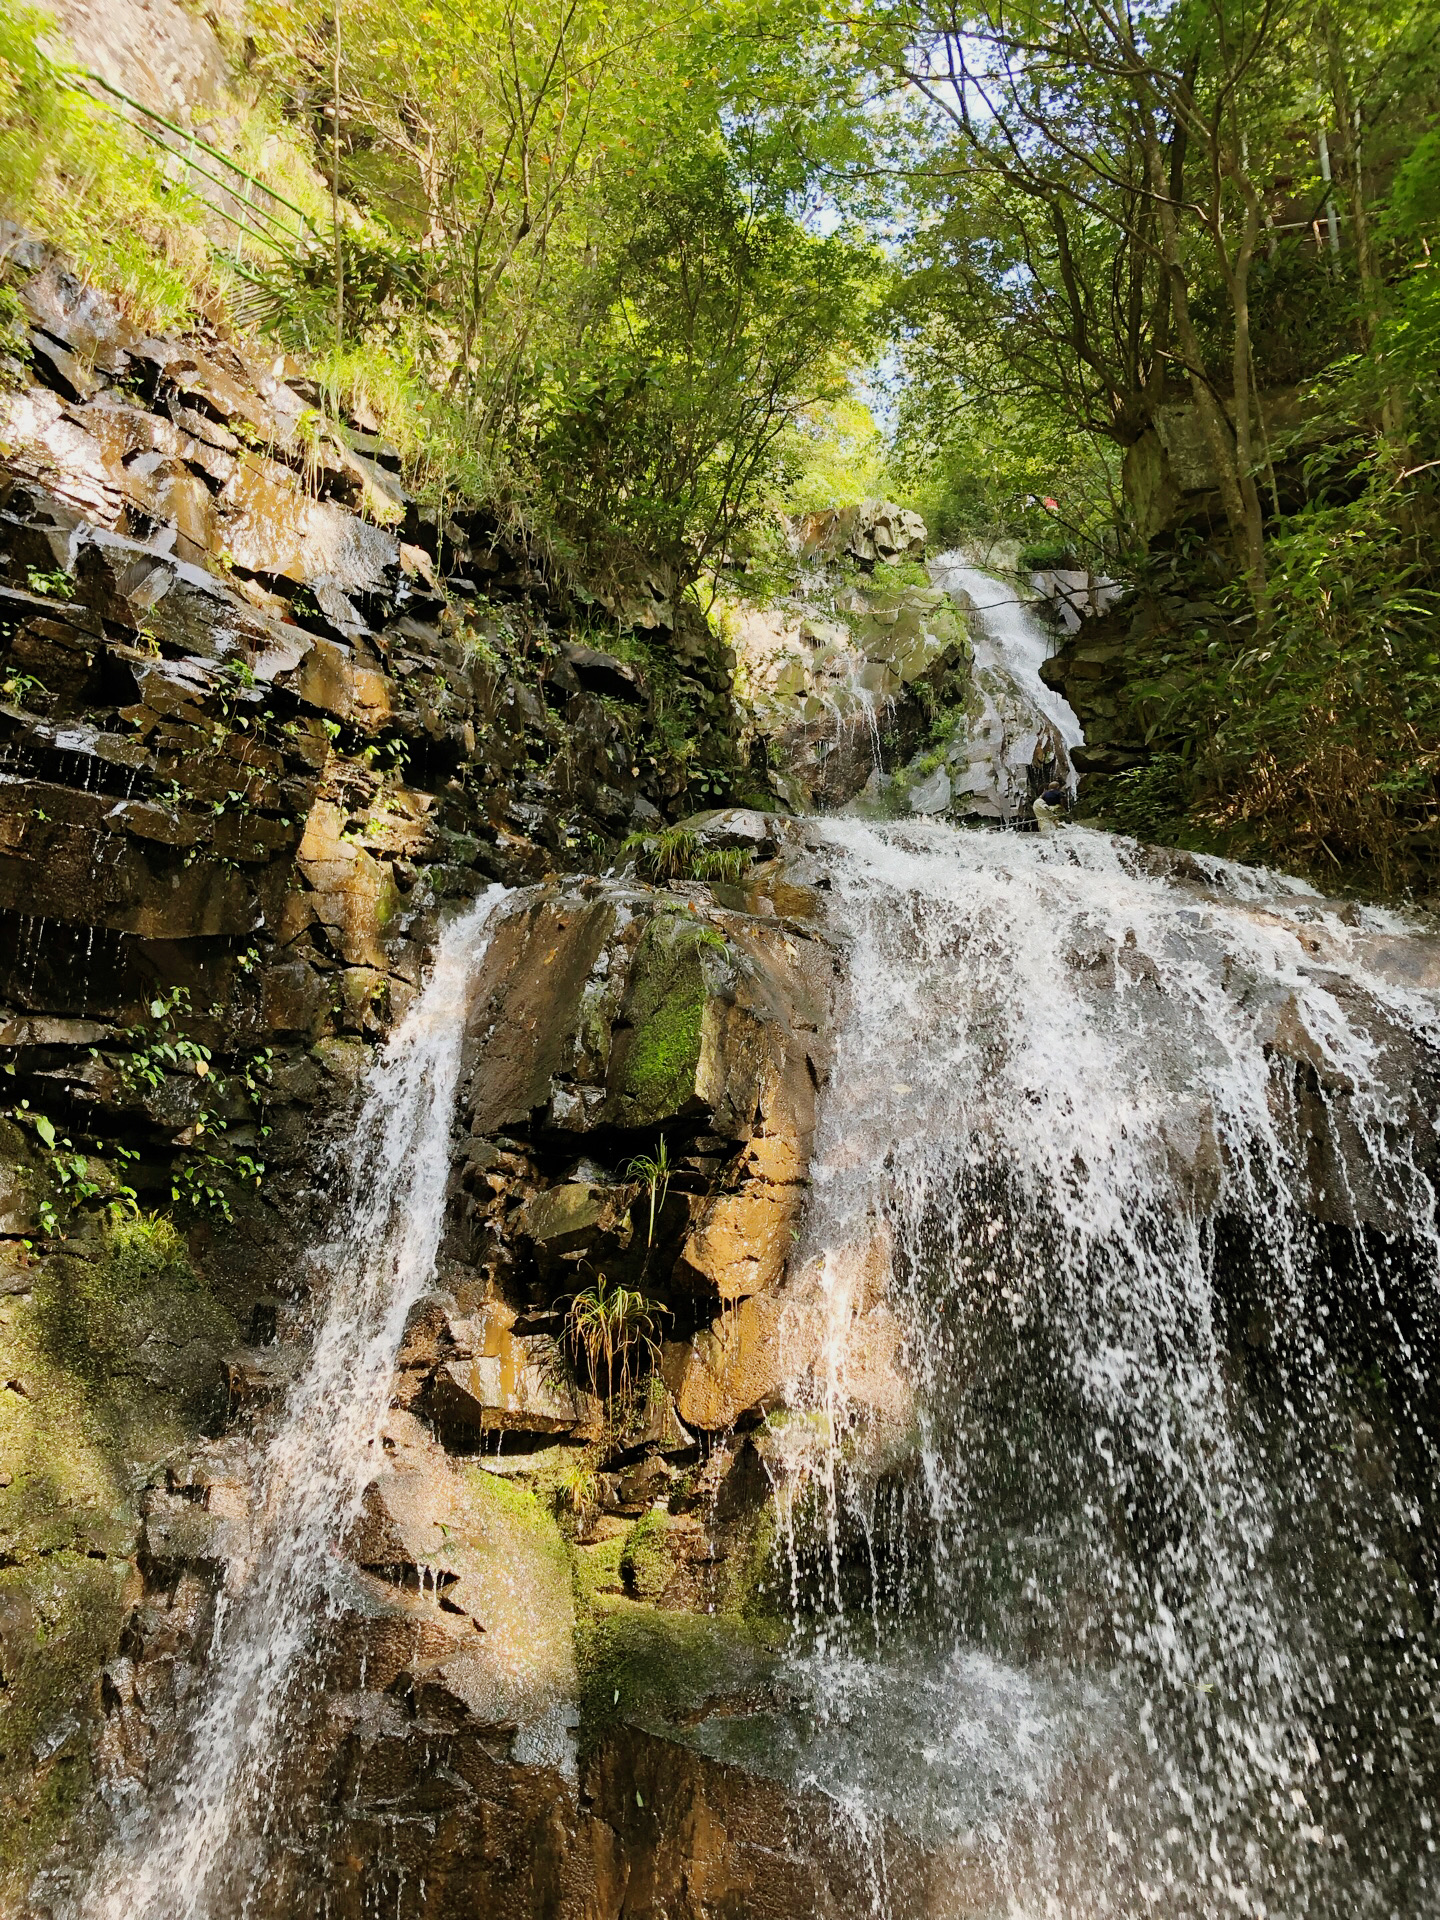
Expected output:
{"points": [[1022, 719]]}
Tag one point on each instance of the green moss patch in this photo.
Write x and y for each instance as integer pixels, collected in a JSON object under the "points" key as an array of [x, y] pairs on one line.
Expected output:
{"points": [[60, 1617], [663, 1015], [598, 1575], [646, 1564], [654, 1669], [510, 1511], [130, 1308]]}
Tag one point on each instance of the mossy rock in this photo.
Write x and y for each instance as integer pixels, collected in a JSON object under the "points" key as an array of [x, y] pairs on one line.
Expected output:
{"points": [[597, 1566], [60, 1617], [653, 1669], [646, 1563], [130, 1308], [657, 1052], [113, 1348]]}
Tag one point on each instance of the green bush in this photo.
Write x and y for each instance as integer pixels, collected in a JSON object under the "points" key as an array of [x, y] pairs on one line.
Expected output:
{"points": [[1150, 801], [1041, 556]]}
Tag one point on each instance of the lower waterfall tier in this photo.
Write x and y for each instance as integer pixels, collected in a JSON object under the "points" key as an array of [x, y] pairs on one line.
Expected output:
{"points": [[894, 1382]]}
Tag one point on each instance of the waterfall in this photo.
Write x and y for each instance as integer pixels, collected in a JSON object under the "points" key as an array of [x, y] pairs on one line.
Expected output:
{"points": [[1113, 1581], [1021, 713], [196, 1850], [1133, 1615]]}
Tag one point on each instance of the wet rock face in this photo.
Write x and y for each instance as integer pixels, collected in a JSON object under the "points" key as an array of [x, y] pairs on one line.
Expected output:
{"points": [[636, 1110], [648, 1828], [559, 1563], [264, 720], [492, 1708], [640, 1105], [1090, 668], [845, 674]]}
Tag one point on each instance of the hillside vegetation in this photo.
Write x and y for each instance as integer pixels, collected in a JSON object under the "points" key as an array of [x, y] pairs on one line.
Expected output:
{"points": [[1153, 293], [1172, 309]]}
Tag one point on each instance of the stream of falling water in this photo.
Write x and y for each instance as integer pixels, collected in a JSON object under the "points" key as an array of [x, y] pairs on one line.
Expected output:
{"points": [[1010, 645], [197, 1848], [1121, 1604], [1127, 1609]]}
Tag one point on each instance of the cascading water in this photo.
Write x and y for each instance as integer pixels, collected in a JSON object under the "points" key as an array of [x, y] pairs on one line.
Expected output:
{"points": [[1128, 1611], [1022, 716], [1117, 1596], [198, 1848]]}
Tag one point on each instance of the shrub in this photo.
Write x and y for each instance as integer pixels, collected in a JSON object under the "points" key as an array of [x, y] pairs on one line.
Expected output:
{"points": [[66, 171]]}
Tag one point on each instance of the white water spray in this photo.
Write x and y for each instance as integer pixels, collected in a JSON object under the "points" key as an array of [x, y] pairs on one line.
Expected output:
{"points": [[1143, 1157], [198, 1847]]}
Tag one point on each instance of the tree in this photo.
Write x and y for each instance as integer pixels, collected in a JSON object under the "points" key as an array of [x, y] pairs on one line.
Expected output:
{"points": [[1113, 168], [595, 223], [719, 322]]}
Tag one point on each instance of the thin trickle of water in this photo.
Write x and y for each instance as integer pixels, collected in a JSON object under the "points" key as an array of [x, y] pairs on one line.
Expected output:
{"points": [[199, 1846], [851, 706], [85, 971], [1138, 1616], [34, 941]]}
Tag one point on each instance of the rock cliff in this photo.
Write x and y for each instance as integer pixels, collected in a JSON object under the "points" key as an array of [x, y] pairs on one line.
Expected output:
{"points": [[566, 1554], [264, 719]]}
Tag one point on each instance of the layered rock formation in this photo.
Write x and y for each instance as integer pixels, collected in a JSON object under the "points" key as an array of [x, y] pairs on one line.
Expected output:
{"points": [[263, 719], [484, 1653], [1091, 668]]}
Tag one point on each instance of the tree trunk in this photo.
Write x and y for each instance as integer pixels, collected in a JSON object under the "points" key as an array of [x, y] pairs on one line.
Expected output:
{"points": [[1372, 286], [1247, 403], [1220, 439]]}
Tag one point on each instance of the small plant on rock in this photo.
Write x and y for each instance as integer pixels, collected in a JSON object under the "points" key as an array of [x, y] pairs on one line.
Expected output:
{"points": [[722, 863], [654, 1172], [614, 1327], [577, 1490], [675, 853], [55, 585], [18, 687], [666, 855]]}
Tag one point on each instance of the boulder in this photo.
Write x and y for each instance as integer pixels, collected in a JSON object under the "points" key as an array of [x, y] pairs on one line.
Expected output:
{"points": [[742, 1240], [737, 1366], [354, 896], [565, 1218], [474, 1375], [491, 1563], [932, 794], [539, 1009]]}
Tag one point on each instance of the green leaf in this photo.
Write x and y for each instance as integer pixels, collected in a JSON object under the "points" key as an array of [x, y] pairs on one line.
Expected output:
{"points": [[45, 1130]]}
